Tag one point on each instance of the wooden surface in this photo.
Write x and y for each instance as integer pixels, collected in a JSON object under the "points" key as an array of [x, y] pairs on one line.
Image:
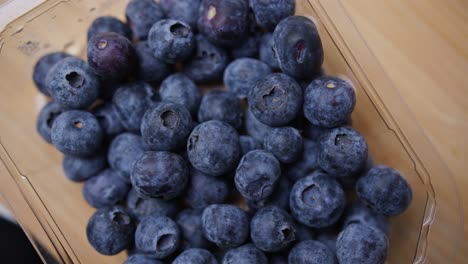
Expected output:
{"points": [[421, 45]]}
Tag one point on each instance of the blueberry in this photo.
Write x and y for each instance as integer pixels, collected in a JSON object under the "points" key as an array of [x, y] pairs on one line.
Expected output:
{"points": [[298, 47], [247, 49], [342, 152], [269, 13], [112, 56], [189, 221], [131, 101], [267, 53], [141, 15], [224, 22], [46, 118], [78, 169], [106, 24], [195, 256], [276, 99], [329, 101], [110, 230], [222, 106], [105, 189], [159, 174], [150, 68], [285, 143], [314, 132], [140, 207], [72, 83], [255, 128], [311, 251], [157, 236], [384, 190], [214, 148], [361, 244], [166, 126], [358, 213], [242, 74], [303, 232], [272, 229], [317, 201], [141, 259], [208, 63], [123, 151], [76, 133], [248, 143], [246, 254], [42, 68], [171, 40], [328, 237], [178, 88], [306, 163], [108, 119], [225, 225], [279, 197], [183, 10], [204, 190], [108, 88], [257, 174]]}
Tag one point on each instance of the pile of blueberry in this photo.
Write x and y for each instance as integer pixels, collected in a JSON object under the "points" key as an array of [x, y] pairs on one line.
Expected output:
{"points": [[265, 171]]}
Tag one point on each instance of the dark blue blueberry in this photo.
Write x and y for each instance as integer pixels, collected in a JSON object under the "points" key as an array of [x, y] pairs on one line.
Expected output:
{"points": [[140, 207], [180, 89], [195, 256], [257, 174], [204, 190], [278, 258], [183, 10], [361, 244], [248, 143], [384, 190], [171, 40], [78, 169], [46, 119], [317, 201], [76, 133], [123, 151], [208, 63], [112, 56], [109, 120], [303, 232], [214, 148], [255, 128], [110, 230], [276, 99], [285, 143], [328, 237], [272, 229], [224, 22], [141, 259], [189, 221], [150, 68], [222, 106], [108, 88], [106, 24], [279, 197], [311, 251], [160, 174], [105, 189], [157, 236], [306, 164], [72, 83], [329, 101], [313, 132], [267, 53], [298, 47], [269, 13], [342, 152], [246, 254], [225, 225], [358, 213], [141, 15], [131, 101], [247, 49], [42, 68], [242, 74], [166, 126]]}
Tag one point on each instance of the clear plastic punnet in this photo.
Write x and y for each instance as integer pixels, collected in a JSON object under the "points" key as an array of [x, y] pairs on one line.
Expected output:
{"points": [[54, 214]]}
